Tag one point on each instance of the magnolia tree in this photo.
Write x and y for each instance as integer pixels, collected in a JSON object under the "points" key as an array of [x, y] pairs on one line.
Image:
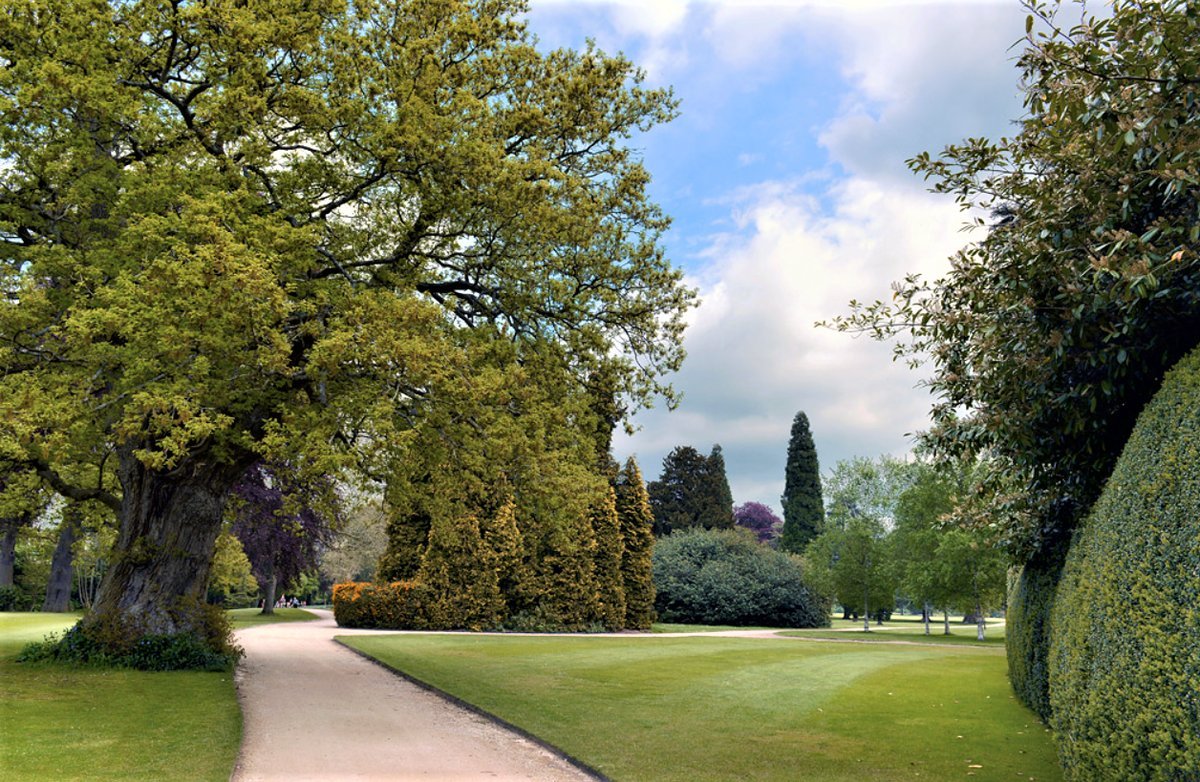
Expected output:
{"points": [[281, 231]]}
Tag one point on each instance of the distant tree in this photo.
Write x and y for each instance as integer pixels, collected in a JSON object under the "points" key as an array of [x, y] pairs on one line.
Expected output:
{"points": [[692, 491], [356, 546], [803, 507], [637, 524], [855, 564], [231, 581], [917, 533], [759, 519], [281, 533], [865, 488]]}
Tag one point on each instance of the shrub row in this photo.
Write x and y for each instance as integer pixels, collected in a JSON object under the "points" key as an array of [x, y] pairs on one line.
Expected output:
{"points": [[1124, 666]]}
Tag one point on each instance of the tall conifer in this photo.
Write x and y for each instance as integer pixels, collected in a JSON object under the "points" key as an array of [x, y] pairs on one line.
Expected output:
{"points": [[637, 522], [803, 508]]}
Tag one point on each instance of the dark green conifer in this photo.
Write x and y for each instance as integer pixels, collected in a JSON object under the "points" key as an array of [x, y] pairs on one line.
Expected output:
{"points": [[803, 507]]}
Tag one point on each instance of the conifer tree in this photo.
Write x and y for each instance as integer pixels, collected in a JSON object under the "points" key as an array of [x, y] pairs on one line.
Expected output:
{"points": [[502, 541], [610, 551], [463, 589], [637, 522], [567, 575], [803, 508]]}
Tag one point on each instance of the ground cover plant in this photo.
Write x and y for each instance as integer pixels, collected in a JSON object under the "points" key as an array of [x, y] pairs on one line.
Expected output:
{"points": [[735, 708]]}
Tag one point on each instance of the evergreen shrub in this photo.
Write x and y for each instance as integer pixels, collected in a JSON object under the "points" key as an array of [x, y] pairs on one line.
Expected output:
{"points": [[726, 577], [1125, 653], [1027, 633], [400, 605]]}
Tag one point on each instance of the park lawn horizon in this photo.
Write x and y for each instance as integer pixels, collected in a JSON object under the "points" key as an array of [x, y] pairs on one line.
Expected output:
{"points": [[88, 723], [713, 708]]}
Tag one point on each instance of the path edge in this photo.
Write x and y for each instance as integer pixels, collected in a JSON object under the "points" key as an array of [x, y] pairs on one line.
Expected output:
{"points": [[487, 715]]}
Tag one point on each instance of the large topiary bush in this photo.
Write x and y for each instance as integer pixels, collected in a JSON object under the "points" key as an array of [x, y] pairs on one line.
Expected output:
{"points": [[1030, 600], [727, 577], [1125, 653]]}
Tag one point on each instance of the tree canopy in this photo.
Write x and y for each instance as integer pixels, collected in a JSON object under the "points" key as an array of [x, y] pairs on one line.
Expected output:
{"points": [[692, 491], [1052, 330], [275, 229]]}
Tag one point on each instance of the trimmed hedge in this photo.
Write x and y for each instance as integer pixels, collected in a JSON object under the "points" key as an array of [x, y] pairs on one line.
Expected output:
{"points": [[1125, 656], [727, 577], [1027, 635], [399, 605]]}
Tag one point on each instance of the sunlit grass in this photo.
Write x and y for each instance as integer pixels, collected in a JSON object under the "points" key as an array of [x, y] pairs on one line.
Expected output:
{"points": [[653, 708]]}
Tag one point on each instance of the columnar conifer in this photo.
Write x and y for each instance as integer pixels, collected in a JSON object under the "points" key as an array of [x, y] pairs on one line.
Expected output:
{"points": [[610, 551], [803, 508], [463, 589], [637, 522]]}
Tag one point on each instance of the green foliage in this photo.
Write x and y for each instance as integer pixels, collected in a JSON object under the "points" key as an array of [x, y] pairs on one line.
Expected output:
{"points": [[1125, 649], [458, 572], [323, 232], [856, 566], [637, 533], [231, 582], [610, 551], [113, 644], [1030, 601], [803, 507], [396, 606], [726, 577], [692, 491], [1053, 329]]}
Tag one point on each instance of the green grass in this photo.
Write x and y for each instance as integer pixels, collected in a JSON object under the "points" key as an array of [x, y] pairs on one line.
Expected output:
{"points": [[252, 617], [908, 629], [653, 708], [66, 723]]}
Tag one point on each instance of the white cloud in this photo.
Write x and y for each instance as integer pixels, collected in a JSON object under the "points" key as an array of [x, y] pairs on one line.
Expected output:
{"points": [[754, 355]]}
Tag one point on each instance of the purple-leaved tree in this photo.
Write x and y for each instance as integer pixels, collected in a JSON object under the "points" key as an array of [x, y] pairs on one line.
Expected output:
{"points": [[760, 520], [279, 528]]}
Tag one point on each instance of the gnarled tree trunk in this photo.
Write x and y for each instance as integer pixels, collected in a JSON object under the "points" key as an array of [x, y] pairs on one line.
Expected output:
{"points": [[62, 571], [169, 522]]}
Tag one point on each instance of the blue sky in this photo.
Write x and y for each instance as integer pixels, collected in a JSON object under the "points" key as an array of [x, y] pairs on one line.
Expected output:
{"points": [[786, 180]]}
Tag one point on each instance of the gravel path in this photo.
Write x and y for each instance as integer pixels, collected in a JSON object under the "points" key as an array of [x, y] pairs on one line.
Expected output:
{"points": [[313, 710]]}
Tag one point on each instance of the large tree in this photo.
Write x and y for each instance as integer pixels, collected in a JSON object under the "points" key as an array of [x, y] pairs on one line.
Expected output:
{"points": [[1053, 329], [803, 509], [236, 231], [692, 491], [637, 535]]}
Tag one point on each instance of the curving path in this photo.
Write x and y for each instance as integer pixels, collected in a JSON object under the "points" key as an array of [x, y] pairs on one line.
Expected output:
{"points": [[313, 710]]}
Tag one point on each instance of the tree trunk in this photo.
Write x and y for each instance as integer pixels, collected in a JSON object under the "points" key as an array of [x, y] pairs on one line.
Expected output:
{"points": [[946, 619], [866, 611], [62, 571], [981, 620], [169, 522], [925, 616], [8, 550], [268, 607]]}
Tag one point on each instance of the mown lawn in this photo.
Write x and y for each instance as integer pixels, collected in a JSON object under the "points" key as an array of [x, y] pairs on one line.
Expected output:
{"points": [[654, 708], [67, 723], [909, 629]]}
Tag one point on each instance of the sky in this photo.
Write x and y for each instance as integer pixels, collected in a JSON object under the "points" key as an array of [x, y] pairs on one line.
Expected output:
{"points": [[785, 176]]}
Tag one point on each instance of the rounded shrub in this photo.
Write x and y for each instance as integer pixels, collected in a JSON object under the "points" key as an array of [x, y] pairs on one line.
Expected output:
{"points": [[1027, 638], [726, 577], [1125, 652]]}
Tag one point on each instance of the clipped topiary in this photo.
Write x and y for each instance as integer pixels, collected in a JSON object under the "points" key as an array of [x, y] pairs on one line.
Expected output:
{"points": [[1027, 636], [1125, 652]]}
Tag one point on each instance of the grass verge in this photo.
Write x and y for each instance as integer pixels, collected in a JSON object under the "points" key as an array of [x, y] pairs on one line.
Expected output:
{"points": [[68, 723], [732, 708]]}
